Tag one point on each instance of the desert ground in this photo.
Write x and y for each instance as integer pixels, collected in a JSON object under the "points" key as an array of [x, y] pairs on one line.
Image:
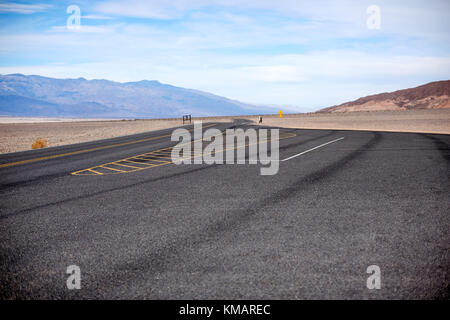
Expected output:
{"points": [[422, 120], [18, 134]]}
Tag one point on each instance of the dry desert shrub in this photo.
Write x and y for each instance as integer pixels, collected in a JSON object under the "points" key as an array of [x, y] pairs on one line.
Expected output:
{"points": [[39, 143]]}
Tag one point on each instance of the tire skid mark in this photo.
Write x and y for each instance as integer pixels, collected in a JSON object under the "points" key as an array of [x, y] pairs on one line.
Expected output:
{"points": [[158, 261]]}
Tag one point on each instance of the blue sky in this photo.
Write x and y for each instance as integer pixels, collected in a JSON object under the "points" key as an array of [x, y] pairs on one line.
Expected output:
{"points": [[299, 55]]}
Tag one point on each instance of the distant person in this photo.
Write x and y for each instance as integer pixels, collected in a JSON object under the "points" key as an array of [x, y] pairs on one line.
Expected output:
{"points": [[260, 119]]}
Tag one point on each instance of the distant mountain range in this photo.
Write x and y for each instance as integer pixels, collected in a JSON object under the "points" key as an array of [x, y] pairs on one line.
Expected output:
{"points": [[432, 95], [38, 96], [22, 95]]}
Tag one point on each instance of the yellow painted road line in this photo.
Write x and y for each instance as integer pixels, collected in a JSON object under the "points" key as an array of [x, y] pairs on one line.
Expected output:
{"points": [[165, 152], [147, 164], [140, 157], [96, 172], [122, 171], [158, 156], [124, 165], [89, 150], [162, 155], [150, 154]]}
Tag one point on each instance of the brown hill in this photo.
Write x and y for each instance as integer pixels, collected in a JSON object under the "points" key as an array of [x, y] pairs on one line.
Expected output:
{"points": [[433, 95]]}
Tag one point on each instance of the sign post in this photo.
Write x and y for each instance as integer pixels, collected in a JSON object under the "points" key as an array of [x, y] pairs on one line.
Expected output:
{"points": [[187, 118]]}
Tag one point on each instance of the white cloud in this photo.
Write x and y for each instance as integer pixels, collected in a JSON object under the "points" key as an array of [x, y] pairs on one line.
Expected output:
{"points": [[84, 29], [397, 16], [307, 81], [274, 73], [22, 8], [96, 17], [236, 53], [156, 9], [287, 22]]}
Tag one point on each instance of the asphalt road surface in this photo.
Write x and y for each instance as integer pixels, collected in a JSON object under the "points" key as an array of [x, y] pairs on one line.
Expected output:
{"points": [[224, 231]]}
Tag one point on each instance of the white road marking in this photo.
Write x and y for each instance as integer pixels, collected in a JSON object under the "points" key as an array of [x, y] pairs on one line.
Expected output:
{"points": [[322, 145]]}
